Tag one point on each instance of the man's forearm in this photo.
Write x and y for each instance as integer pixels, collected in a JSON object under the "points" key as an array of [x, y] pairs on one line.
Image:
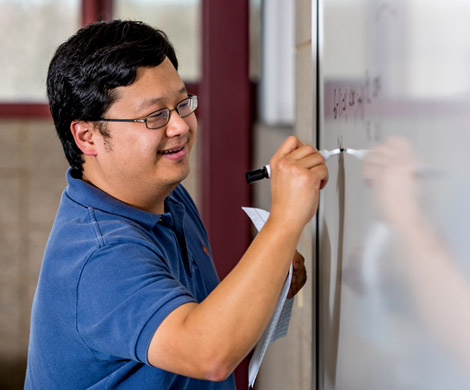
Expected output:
{"points": [[218, 333]]}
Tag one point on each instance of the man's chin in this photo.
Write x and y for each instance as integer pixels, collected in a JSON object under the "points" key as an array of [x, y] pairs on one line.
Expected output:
{"points": [[174, 181]]}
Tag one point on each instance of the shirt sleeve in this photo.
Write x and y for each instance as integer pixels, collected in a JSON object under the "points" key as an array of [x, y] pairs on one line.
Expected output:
{"points": [[124, 293]]}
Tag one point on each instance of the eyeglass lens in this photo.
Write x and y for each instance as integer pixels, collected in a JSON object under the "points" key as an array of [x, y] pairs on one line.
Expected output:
{"points": [[161, 118]]}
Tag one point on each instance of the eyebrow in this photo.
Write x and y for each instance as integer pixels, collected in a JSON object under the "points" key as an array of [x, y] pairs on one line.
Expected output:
{"points": [[154, 101]]}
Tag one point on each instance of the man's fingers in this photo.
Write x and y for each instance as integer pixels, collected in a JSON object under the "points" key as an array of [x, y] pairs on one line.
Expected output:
{"points": [[298, 260], [304, 151], [305, 154], [299, 276], [289, 145], [296, 286]]}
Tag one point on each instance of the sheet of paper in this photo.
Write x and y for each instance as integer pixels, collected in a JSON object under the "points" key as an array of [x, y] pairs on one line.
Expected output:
{"points": [[279, 323]]}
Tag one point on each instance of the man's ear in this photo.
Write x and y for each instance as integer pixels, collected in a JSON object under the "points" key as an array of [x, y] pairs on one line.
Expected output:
{"points": [[84, 134]]}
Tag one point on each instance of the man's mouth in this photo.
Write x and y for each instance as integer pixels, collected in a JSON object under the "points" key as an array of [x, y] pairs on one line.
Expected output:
{"points": [[172, 151]]}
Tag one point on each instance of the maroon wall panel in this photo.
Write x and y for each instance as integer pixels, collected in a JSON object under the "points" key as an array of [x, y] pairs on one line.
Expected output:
{"points": [[225, 138]]}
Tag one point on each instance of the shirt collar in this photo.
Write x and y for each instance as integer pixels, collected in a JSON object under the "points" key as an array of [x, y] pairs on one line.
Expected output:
{"points": [[90, 196]]}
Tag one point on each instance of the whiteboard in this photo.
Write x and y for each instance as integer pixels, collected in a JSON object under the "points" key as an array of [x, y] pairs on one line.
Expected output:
{"points": [[393, 313]]}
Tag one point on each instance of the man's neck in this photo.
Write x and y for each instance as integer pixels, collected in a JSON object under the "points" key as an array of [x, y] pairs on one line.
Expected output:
{"points": [[153, 202]]}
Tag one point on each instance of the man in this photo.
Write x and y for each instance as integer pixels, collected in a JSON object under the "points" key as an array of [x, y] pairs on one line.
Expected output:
{"points": [[128, 296]]}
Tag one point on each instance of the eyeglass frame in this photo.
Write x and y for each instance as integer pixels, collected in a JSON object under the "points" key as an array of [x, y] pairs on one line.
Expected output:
{"points": [[145, 120]]}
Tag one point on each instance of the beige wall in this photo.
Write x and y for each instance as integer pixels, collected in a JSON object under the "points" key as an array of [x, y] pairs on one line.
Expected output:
{"points": [[32, 176]]}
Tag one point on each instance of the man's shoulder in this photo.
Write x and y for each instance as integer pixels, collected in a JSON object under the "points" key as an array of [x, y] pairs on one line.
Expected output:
{"points": [[93, 228]]}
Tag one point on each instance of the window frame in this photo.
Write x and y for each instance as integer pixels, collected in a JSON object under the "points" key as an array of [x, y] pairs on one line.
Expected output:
{"points": [[91, 10]]}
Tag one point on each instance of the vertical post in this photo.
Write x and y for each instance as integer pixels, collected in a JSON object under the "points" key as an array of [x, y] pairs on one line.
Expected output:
{"points": [[95, 10], [226, 128], [225, 137]]}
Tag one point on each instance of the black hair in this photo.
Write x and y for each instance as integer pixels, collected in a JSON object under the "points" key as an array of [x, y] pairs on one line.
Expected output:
{"points": [[86, 68]]}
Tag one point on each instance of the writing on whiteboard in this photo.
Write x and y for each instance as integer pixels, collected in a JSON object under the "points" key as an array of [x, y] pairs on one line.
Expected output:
{"points": [[350, 100]]}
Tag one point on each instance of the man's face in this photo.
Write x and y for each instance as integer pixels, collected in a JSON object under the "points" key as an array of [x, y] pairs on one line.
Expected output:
{"points": [[147, 160]]}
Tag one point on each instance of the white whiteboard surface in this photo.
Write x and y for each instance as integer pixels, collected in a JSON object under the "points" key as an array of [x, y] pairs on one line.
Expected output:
{"points": [[393, 313]]}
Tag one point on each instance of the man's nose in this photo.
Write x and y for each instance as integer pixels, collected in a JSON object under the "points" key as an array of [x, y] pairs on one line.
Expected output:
{"points": [[176, 125]]}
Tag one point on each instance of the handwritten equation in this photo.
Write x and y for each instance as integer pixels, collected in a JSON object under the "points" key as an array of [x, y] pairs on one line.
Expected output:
{"points": [[351, 100], [357, 104]]}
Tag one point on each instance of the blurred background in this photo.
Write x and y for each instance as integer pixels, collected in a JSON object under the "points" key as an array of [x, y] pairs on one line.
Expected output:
{"points": [[32, 164]]}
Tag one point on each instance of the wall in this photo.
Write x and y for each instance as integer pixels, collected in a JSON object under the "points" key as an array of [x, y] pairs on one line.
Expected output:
{"points": [[32, 173]]}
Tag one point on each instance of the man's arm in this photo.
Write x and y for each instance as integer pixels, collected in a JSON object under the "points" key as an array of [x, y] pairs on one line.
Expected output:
{"points": [[208, 340]]}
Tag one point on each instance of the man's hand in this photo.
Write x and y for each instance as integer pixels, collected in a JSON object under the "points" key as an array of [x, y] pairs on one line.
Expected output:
{"points": [[299, 276], [298, 172]]}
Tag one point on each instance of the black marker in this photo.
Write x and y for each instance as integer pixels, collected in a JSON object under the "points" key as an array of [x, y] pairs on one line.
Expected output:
{"points": [[265, 172]]}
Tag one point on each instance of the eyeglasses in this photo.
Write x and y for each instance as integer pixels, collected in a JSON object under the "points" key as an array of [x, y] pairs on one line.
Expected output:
{"points": [[161, 117]]}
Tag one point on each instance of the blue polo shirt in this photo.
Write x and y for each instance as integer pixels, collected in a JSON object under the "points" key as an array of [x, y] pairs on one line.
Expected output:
{"points": [[111, 274]]}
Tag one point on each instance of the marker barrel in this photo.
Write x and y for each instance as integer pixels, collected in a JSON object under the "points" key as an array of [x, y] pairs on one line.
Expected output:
{"points": [[265, 172], [256, 175]]}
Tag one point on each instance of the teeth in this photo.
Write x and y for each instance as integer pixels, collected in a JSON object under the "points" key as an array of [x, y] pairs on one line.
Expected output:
{"points": [[170, 151]]}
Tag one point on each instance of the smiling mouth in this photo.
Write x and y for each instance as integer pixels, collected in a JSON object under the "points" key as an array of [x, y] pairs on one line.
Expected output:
{"points": [[171, 151]]}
